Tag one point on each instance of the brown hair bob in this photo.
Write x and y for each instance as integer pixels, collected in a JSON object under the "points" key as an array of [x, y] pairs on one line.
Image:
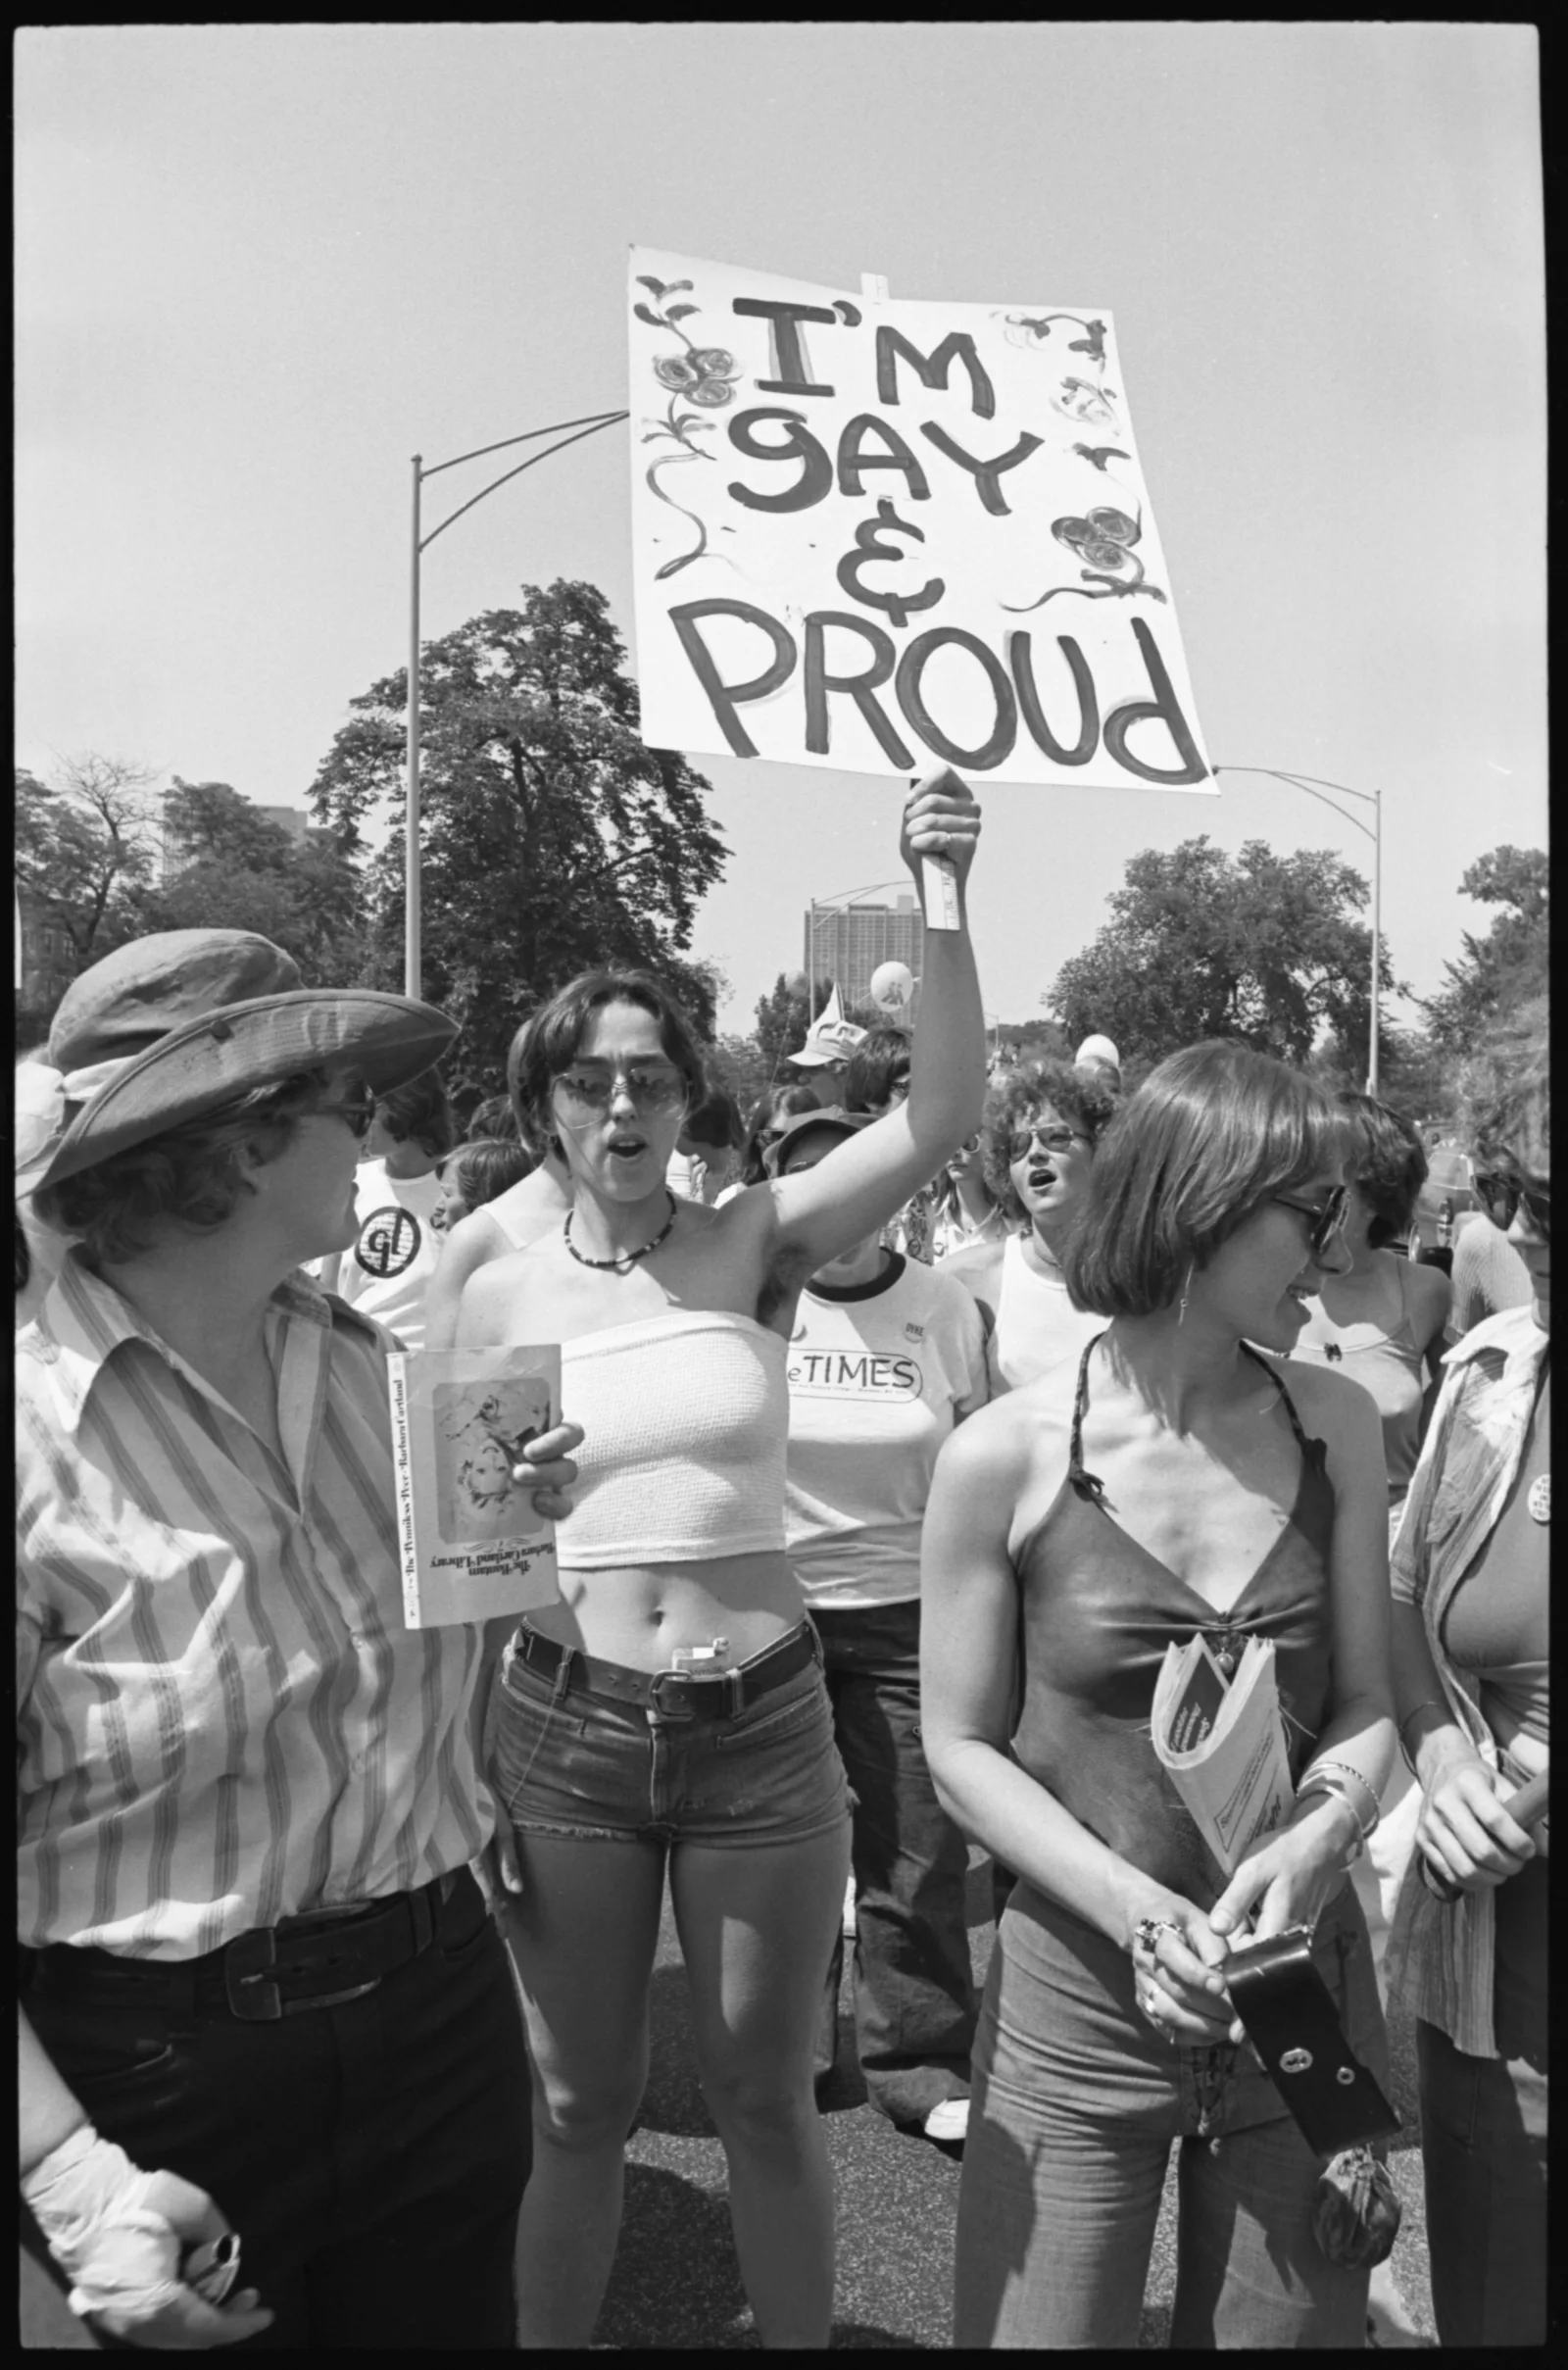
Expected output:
{"points": [[1209, 1135]]}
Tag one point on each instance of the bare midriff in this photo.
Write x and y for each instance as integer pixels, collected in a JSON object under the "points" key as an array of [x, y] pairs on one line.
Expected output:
{"points": [[638, 1614]]}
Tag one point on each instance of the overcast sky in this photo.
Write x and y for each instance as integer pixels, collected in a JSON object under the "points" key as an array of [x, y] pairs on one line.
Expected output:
{"points": [[259, 267]]}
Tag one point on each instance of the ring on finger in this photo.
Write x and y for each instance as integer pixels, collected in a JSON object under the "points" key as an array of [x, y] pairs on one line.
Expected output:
{"points": [[1148, 1931]]}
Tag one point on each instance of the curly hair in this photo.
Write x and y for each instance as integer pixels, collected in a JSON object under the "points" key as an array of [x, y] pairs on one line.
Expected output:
{"points": [[191, 1176], [1189, 1157], [1086, 1098], [549, 1040], [1388, 1165]]}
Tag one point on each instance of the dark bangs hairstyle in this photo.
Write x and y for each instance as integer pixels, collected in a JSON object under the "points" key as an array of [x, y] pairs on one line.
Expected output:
{"points": [[1209, 1135], [879, 1064], [191, 1176], [1387, 1162], [548, 1043], [1087, 1098]]}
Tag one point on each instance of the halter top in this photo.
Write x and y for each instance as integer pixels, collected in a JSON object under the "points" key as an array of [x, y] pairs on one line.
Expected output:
{"points": [[1097, 1613]]}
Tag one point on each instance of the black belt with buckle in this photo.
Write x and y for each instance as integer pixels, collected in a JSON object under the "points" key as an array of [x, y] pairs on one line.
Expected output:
{"points": [[273, 1971], [679, 1695]]}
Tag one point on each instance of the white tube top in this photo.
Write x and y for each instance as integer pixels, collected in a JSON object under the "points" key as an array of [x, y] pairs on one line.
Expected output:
{"points": [[685, 1418]]}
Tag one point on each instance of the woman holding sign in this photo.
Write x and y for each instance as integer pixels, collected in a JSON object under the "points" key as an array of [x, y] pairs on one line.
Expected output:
{"points": [[1162, 1485], [671, 1710]]}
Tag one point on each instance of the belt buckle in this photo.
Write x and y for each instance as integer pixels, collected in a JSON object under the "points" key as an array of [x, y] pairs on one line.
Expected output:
{"points": [[685, 1708], [248, 1978]]}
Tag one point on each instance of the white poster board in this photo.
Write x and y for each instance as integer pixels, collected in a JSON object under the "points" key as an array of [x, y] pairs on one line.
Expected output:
{"points": [[874, 535]]}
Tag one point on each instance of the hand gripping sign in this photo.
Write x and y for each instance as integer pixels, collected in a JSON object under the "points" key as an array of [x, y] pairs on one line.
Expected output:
{"points": [[869, 534]]}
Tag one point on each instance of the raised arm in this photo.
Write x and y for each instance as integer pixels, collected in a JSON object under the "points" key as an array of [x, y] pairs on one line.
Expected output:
{"points": [[820, 1213]]}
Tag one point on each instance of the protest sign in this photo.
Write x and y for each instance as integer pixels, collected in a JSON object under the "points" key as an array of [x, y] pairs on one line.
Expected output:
{"points": [[871, 534]]}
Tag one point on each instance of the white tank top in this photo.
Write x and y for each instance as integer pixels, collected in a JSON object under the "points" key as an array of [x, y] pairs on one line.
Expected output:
{"points": [[1037, 1325], [684, 1419]]}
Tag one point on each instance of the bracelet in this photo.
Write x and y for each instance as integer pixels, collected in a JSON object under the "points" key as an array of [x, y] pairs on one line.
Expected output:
{"points": [[1338, 1792], [1427, 1704], [1348, 1769], [1343, 1770]]}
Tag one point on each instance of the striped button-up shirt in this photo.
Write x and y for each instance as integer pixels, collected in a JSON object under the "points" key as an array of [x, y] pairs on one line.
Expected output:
{"points": [[224, 1721], [1441, 1956]]}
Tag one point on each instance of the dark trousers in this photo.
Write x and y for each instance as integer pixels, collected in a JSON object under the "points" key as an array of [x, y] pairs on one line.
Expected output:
{"points": [[914, 2000], [371, 2156], [1484, 2156]]}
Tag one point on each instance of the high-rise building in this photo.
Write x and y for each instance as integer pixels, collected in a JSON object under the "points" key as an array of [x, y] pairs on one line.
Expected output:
{"points": [[847, 943]]}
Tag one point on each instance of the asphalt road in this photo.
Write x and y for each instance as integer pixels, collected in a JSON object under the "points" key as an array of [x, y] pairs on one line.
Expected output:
{"points": [[675, 2282]]}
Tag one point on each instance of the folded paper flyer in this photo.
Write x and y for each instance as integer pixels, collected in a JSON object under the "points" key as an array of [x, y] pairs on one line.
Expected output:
{"points": [[1224, 1745]]}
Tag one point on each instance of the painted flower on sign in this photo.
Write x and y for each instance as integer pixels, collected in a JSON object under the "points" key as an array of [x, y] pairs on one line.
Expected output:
{"points": [[704, 376], [1104, 539]]}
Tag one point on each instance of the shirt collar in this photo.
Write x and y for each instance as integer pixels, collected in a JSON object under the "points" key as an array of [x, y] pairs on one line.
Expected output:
{"points": [[83, 1322], [1513, 1331]]}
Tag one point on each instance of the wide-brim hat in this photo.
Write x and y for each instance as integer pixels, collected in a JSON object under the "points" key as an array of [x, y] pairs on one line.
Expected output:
{"points": [[173, 1026], [831, 1120], [829, 1041]]}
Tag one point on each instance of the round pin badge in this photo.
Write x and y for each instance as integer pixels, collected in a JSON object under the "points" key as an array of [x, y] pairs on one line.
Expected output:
{"points": [[1539, 1502]]}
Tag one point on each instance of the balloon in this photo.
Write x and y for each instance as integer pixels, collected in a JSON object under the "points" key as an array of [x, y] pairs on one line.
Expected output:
{"points": [[892, 985]]}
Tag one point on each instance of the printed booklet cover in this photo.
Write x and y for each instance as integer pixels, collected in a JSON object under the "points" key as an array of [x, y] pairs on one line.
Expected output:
{"points": [[472, 1545]]}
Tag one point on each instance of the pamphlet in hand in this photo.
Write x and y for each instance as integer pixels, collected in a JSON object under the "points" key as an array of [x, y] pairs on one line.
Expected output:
{"points": [[1224, 1745], [472, 1542]]}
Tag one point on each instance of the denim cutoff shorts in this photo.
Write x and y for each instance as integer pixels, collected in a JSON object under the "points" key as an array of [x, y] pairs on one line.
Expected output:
{"points": [[580, 1765]]}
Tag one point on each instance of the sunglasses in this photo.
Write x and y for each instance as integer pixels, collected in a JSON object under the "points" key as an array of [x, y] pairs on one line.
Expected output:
{"points": [[1328, 1218], [650, 1088], [357, 1112], [1055, 1139], [1499, 1193]]}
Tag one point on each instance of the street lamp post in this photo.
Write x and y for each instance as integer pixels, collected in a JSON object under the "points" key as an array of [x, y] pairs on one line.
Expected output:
{"points": [[588, 426], [1373, 833]]}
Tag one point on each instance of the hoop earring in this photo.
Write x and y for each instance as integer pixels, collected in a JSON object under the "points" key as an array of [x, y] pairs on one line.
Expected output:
{"points": [[1187, 1285]]}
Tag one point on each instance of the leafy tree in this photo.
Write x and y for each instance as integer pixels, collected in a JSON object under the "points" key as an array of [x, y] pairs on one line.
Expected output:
{"points": [[1506, 967], [783, 1016], [1264, 949], [210, 823], [552, 839], [242, 872], [87, 842]]}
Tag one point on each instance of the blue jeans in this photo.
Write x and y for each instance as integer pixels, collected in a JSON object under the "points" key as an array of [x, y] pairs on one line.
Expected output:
{"points": [[914, 2002], [568, 1762], [1076, 2104]]}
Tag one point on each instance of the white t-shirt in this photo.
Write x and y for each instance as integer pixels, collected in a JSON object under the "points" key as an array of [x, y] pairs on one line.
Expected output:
{"points": [[386, 1270], [878, 1374], [1037, 1324]]}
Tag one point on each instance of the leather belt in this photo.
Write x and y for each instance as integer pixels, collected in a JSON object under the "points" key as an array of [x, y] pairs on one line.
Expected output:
{"points": [[273, 1971], [678, 1695]]}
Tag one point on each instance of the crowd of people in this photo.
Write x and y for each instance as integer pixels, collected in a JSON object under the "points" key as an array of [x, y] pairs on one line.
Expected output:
{"points": [[905, 1421]]}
